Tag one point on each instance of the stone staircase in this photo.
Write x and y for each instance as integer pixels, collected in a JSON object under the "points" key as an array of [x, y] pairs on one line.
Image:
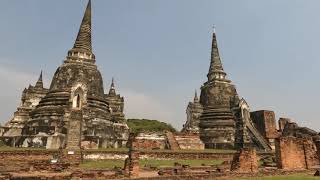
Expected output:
{"points": [[172, 141], [260, 139]]}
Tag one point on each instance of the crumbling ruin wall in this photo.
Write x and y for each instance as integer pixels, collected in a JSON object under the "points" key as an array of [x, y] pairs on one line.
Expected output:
{"points": [[108, 154], [245, 161], [150, 144], [282, 123], [189, 141], [296, 153], [95, 155], [265, 122], [23, 159], [168, 140], [26, 155], [185, 155], [150, 141]]}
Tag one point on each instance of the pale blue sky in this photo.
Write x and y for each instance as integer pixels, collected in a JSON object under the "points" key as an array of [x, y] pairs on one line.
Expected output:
{"points": [[159, 51]]}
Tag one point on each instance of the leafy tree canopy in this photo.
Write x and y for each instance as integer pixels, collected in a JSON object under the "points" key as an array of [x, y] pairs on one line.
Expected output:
{"points": [[146, 125]]}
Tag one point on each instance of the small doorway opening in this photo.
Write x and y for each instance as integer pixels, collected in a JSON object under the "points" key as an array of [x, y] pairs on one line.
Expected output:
{"points": [[77, 101]]}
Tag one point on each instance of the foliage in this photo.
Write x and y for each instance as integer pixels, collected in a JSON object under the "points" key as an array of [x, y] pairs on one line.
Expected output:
{"points": [[146, 125]]}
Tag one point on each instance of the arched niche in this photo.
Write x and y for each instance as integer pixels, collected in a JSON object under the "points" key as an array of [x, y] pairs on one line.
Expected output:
{"points": [[77, 101]]}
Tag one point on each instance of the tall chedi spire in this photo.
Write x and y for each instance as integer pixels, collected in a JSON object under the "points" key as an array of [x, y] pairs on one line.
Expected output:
{"points": [[83, 40], [39, 83], [217, 122], [112, 90], [82, 48], [195, 99], [216, 71]]}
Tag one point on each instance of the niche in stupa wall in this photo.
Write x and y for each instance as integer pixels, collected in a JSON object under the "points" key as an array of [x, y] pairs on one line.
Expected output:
{"points": [[78, 97]]}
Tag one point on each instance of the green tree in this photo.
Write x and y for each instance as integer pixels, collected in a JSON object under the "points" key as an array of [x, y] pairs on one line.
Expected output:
{"points": [[146, 125]]}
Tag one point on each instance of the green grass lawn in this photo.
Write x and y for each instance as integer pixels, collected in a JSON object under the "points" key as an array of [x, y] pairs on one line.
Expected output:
{"points": [[108, 164], [287, 177]]}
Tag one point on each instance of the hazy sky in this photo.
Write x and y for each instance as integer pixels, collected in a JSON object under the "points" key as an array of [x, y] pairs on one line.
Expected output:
{"points": [[159, 51]]}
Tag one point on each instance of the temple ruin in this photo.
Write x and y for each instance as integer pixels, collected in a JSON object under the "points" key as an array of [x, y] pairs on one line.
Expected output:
{"points": [[74, 108], [75, 115], [220, 117]]}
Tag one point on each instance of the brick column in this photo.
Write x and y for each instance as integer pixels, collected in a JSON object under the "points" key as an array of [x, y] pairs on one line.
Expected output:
{"points": [[245, 161], [73, 153], [131, 165]]}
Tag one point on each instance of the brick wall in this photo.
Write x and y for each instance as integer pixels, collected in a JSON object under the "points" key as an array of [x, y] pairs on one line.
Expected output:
{"points": [[245, 161], [149, 144], [189, 141], [95, 155], [149, 141], [22, 160], [265, 122], [186, 155], [296, 153]]}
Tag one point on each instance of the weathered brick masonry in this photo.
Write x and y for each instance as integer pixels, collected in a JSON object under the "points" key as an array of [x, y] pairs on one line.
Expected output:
{"points": [[296, 153], [265, 122], [245, 161]]}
